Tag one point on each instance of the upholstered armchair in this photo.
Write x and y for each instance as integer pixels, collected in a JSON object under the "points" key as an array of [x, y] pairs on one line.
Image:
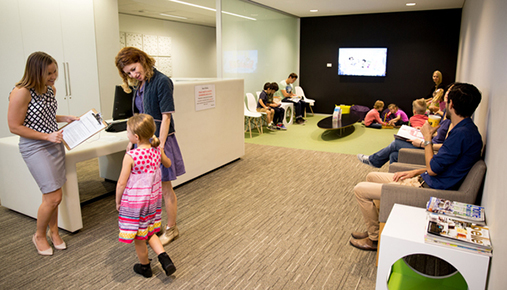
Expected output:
{"points": [[411, 156], [394, 193], [418, 197]]}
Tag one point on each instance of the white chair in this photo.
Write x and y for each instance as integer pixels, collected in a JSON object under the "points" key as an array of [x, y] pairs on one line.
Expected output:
{"points": [[251, 102], [301, 93], [252, 116], [252, 106]]}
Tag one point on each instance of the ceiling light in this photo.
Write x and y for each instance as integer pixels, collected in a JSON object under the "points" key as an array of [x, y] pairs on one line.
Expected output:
{"points": [[173, 16], [410, 4], [315, 10], [211, 9], [193, 5], [237, 15]]}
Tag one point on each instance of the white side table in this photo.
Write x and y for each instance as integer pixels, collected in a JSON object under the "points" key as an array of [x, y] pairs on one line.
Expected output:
{"points": [[289, 109], [403, 235]]}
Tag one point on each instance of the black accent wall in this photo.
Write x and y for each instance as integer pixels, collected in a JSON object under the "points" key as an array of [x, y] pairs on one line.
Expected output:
{"points": [[418, 43]]}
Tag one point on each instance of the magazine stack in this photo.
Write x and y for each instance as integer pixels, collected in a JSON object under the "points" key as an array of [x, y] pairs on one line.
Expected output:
{"points": [[458, 225]]}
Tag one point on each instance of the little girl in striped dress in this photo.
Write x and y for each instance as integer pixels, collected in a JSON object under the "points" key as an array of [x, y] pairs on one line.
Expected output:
{"points": [[139, 194]]}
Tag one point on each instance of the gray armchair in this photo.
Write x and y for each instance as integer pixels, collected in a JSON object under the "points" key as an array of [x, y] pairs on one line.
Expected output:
{"points": [[411, 156], [413, 196], [394, 193]]}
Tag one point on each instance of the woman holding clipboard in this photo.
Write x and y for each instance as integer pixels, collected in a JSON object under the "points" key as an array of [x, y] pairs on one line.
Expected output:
{"points": [[32, 116]]}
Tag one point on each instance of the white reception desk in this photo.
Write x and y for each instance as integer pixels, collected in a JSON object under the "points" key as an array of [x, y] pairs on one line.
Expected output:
{"points": [[208, 139]]}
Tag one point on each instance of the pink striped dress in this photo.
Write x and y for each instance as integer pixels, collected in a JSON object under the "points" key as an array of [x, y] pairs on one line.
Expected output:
{"points": [[141, 202]]}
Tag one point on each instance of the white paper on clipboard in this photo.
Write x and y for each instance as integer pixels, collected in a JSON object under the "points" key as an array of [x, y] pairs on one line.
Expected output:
{"points": [[80, 130]]}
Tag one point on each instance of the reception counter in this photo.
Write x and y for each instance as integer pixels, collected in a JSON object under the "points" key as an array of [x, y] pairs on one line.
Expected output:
{"points": [[209, 129]]}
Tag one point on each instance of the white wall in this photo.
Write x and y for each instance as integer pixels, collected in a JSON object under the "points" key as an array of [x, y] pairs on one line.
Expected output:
{"points": [[482, 61], [193, 46]]}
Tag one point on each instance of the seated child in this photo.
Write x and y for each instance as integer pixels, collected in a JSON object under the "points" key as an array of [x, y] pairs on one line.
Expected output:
{"points": [[372, 118], [419, 117], [400, 117], [273, 110], [437, 105]]}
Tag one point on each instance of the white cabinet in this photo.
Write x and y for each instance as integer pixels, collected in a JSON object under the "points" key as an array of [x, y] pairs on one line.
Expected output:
{"points": [[64, 29]]}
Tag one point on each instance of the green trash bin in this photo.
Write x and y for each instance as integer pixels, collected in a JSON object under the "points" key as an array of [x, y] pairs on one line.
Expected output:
{"points": [[403, 277]]}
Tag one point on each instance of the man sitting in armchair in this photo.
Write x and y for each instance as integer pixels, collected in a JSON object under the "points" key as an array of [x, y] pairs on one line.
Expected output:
{"points": [[444, 170]]}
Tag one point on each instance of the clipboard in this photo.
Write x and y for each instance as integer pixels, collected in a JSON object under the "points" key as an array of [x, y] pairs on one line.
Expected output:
{"points": [[76, 132]]}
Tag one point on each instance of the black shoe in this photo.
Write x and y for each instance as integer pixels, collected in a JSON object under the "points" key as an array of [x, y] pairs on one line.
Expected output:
{"points": [[144, 270], [167, 264]]}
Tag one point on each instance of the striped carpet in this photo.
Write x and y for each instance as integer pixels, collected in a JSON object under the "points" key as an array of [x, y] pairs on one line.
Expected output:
{"points": [[278, 218]]}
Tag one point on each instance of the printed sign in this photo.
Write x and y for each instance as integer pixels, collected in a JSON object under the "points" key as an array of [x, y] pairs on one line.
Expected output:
{"points": [[204, 97]]}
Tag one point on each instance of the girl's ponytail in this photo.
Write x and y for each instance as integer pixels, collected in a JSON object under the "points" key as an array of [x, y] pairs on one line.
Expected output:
{"points": [[154, 141]]}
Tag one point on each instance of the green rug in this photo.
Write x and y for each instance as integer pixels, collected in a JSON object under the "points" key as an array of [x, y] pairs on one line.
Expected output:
{"points": [[354, 140]]}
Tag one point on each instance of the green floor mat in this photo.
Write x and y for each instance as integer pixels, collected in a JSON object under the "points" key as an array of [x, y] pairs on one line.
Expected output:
{"points": [[354, 140]]}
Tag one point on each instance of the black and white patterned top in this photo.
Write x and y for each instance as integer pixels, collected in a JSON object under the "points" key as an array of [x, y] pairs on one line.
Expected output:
{"points": [[41, 113]]}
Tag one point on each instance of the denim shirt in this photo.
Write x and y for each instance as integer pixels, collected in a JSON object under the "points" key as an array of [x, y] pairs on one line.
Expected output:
{"points": [[459, 152], [158, 99]]}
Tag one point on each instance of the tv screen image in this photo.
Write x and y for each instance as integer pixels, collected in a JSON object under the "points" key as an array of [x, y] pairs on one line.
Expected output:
{"points": [[240, 61], [362, 62]]}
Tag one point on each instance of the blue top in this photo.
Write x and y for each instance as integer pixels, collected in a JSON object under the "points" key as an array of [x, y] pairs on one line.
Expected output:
{"points": [[157, 99], [442, 132], [266, 99], [458, 154]]}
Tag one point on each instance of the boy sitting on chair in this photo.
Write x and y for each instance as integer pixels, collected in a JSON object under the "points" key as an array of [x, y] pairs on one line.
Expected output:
{"points": [[273, 110]]}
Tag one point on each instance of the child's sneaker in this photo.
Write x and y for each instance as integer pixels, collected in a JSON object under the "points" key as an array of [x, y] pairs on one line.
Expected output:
{"points": [[271, 128], [281, 127]]}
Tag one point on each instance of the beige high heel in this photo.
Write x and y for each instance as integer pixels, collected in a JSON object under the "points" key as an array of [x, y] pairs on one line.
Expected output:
{"points": [[61, 246], [48, 252]]}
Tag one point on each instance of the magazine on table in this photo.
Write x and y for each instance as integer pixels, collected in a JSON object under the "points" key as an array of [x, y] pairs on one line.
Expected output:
{"points": [[459, 232], [409, 133], [450, 244], [458, 210], [295, 99]]}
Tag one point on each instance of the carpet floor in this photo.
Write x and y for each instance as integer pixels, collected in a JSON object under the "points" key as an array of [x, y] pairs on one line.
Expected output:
{"points": [[277, 218]]}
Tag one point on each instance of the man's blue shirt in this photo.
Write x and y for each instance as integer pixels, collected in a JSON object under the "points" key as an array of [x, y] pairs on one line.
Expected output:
{"points": [[459, 152]]}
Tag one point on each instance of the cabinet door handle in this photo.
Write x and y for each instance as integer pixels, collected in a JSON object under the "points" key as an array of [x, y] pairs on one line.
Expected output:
{"points": [[68, 77], [65, 79]]}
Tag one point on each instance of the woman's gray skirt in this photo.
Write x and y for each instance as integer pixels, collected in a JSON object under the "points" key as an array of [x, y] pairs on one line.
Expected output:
{"points": [[46, 162]]}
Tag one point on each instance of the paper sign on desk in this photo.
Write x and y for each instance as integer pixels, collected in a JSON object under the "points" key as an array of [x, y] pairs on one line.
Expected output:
{"points": [[79, 131]]}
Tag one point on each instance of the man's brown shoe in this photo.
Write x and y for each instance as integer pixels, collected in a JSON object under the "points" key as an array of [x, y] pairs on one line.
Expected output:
{"points": [[364, 244], [359, 235]]}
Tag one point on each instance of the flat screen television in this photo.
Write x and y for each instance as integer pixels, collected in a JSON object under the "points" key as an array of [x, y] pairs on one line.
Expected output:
{"points": [[362, 61]]}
